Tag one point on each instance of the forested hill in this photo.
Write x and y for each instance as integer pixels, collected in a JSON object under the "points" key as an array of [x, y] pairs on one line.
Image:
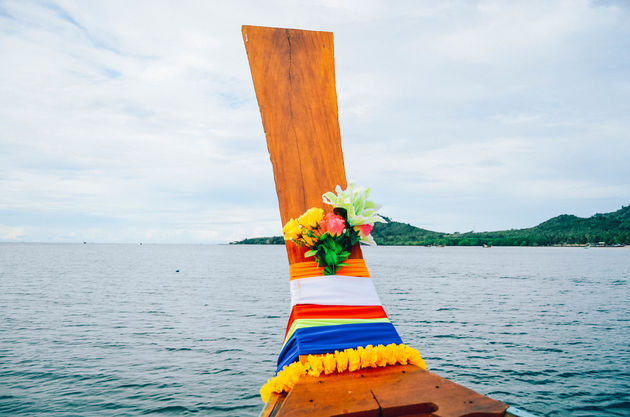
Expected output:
{"points": [[610, 228]]}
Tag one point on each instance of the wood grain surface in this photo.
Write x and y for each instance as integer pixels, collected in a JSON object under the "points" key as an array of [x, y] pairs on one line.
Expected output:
{"points": [[294, 79], [401, 390]]}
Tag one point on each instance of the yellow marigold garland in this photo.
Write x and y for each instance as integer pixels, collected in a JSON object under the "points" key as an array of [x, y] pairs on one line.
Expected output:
{"points": [[349, 359]]}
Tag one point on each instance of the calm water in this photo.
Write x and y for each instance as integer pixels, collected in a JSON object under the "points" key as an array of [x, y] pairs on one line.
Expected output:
{"points": [[113, 330]]}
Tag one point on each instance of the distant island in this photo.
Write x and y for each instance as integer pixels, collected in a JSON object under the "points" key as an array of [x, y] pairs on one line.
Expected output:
{"points": [[607, 229]]}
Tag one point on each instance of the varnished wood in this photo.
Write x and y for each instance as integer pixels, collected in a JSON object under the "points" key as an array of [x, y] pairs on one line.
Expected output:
{"points": [[392, 391], [273, 405], [294, 79]]}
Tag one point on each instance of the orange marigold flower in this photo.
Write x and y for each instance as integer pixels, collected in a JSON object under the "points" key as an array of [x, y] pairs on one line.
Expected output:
{"points": [[390, 354], [414, 358], [295, 371], [342, 361], [316, 365], [330, 364], [265, 391], [380, 356], [368, 357], [354, 359], [401, 354]]}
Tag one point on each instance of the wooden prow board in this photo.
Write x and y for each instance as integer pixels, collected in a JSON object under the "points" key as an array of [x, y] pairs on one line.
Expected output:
{"points": [[294, 78]]}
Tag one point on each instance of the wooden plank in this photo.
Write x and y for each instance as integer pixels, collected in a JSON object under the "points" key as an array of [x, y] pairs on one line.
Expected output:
{"points": [[409, 390], [402, 390], [294, 79], [273, 406], [331, 395]]}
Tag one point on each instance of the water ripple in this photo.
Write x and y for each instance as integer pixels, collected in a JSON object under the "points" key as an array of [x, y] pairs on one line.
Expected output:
{"points": [[112, 330]]}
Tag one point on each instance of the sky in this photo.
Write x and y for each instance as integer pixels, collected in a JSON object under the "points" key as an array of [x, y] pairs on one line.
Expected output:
{"points": [[137, 121]]}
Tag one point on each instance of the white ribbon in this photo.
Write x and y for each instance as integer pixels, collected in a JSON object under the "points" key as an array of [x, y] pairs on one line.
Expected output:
{"points": [[334, 290]]}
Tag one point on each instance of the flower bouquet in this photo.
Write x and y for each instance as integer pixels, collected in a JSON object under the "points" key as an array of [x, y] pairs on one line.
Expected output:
{"points": [[330, 237]]}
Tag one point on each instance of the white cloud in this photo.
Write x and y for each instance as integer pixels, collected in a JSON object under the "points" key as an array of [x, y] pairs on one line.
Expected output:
{"points": [[11, 232], [137, 121]]}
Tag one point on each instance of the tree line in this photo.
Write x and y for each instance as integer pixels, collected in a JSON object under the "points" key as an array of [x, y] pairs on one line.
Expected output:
{"points": [[609, 228]]}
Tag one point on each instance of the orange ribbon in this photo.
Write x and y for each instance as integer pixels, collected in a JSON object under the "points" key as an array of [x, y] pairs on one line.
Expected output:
{"points": [[353, 268]]}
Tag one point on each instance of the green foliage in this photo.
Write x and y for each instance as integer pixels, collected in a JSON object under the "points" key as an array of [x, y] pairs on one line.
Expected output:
{"points": [[610, 228], [272, 240], [332, 251]]}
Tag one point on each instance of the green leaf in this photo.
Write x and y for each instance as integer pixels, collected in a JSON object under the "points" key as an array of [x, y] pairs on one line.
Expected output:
{"points": [[310, 253], [354, 237], [339, 267], [331, 258], [338, 249]]}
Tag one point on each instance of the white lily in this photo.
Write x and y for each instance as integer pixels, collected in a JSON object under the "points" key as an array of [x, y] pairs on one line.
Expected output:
{"points": [[359, 209]]}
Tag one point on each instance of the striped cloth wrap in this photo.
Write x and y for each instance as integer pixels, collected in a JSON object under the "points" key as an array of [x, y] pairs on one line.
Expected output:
{"points": [[333, 312]]}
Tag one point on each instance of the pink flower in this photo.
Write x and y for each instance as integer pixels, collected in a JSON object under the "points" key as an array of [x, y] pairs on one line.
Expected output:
{"points": [[363, 229], [332, 224]]}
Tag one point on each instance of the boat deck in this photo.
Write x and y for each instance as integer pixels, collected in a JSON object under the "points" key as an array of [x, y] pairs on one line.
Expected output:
{"points": [[402, 390]]}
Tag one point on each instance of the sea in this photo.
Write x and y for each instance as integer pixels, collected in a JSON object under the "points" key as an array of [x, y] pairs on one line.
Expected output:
{"points": [[131, 330]]}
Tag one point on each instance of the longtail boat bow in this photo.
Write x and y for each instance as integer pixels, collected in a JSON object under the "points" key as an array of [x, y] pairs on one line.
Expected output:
{"points": [[294, 79]]}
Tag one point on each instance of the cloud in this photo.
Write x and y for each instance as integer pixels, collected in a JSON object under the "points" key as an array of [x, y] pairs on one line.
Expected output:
{"points": [[11, 232], [138, 121]]}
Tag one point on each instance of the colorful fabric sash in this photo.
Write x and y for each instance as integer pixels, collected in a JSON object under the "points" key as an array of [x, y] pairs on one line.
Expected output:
{"points": [[334, 290], [353, 268], [333, 312]]}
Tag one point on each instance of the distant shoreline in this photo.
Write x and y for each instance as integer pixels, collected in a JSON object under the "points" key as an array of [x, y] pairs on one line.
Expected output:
{"points": [[465, 246], [600, 230]]}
